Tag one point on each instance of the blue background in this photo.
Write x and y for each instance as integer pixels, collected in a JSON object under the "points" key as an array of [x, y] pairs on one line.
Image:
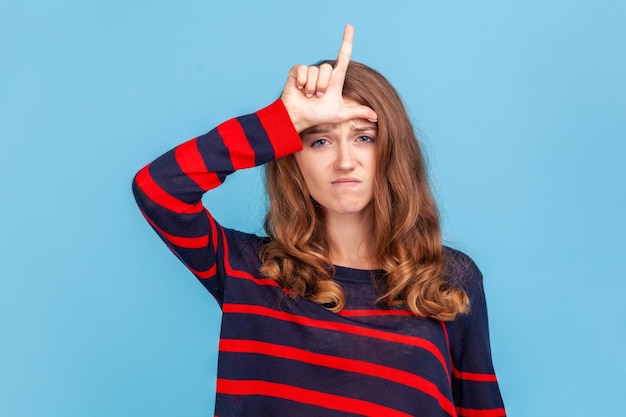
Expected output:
{"points": [[522, 109]]}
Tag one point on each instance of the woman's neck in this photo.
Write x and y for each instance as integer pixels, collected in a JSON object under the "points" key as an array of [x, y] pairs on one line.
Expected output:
{"points": [[351, 241]]}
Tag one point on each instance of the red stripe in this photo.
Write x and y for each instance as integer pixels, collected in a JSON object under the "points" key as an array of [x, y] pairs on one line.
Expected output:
{"points": [[209, 273], [471, 376], [186, 242], [279, 128], [445, 332], [213, 229], [241, 153], [466, 376], [470, 412], [191, 163], [362, 313], [343, 364], [339, 327], [306, 396], [158, 195], [235, 273], [180, 241], [262, 281]]}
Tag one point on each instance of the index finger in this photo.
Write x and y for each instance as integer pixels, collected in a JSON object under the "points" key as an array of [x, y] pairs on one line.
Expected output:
{"points": [[345, 51]]}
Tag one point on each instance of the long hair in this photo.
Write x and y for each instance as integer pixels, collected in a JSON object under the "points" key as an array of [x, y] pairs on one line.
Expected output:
{"points": [[408, 246]]}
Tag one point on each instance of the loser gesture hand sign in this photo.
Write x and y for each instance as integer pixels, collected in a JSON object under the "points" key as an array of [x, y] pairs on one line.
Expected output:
{"points": [[313, 95]]}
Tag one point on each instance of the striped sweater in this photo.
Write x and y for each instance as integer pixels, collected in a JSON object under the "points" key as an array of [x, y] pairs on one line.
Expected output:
{"points": [[280, 357]]}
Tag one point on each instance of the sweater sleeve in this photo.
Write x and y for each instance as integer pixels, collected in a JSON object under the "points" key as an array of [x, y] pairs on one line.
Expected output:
{"points": [[169, 190], [474, 383]]}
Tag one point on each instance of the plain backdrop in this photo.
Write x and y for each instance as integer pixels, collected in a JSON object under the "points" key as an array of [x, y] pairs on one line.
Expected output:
{"points": [[521, 107]]}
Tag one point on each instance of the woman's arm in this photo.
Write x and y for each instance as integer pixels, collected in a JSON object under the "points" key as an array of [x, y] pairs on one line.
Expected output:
{"points": [[474, 383], [169, 189]]}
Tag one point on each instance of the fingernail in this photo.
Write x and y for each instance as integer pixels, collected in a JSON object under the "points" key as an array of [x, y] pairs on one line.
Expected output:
{"points": [[373, 120], [319, 93], [300, 87], [309, 95]]}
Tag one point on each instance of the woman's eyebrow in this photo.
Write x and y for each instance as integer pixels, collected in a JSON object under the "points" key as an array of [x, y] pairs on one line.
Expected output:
{"points": [[328, 129], [365, 129], [318, 130]]}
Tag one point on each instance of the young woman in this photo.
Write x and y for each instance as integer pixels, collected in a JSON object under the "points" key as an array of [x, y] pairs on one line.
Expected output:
{"points": [[351, 306]]}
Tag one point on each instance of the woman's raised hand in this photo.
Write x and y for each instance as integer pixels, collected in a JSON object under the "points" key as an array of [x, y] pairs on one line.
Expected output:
{"points": [[313, 95]]}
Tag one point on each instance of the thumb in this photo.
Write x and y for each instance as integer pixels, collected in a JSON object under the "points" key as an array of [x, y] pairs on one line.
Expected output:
{"points": [[360, 112]]}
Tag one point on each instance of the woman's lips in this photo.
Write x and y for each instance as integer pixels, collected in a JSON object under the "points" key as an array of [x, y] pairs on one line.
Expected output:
{"points": [[346, 181]]}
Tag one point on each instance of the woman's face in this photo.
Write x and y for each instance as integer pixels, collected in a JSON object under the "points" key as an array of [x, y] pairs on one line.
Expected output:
{"points": [[338, 163]]}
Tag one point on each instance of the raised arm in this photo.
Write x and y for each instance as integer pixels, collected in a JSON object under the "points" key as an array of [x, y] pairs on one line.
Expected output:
{"points": [[169, 189]]}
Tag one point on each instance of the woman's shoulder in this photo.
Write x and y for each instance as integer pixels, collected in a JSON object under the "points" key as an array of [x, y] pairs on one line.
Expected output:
{"points": [[461, 270], [243, 246]]}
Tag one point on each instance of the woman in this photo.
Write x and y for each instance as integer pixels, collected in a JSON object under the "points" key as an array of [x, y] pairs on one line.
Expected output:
{"points": [[351, 305]]}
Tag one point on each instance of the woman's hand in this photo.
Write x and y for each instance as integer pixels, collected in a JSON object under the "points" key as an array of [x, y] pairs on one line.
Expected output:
{"points": [[313, 95]]}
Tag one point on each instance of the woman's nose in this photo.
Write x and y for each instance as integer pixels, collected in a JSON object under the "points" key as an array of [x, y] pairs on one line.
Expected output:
{"points": [[345, 158]]}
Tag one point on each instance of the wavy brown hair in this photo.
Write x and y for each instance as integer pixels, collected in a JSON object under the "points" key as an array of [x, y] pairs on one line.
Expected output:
{"points": [[408, 246]]}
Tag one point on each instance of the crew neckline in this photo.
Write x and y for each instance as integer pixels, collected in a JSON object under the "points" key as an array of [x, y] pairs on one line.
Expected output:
{"points": [[344, 273]]}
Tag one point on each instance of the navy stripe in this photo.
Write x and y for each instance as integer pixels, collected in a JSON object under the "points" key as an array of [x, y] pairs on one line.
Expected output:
{"points": [[215, 154], [238, 406], [261, 144], [168, 175], [475, 394], [170, 222]]}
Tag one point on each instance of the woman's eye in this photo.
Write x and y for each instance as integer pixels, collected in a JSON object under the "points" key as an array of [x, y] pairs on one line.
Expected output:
{"points": [[319, 143], [365, 139]]}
